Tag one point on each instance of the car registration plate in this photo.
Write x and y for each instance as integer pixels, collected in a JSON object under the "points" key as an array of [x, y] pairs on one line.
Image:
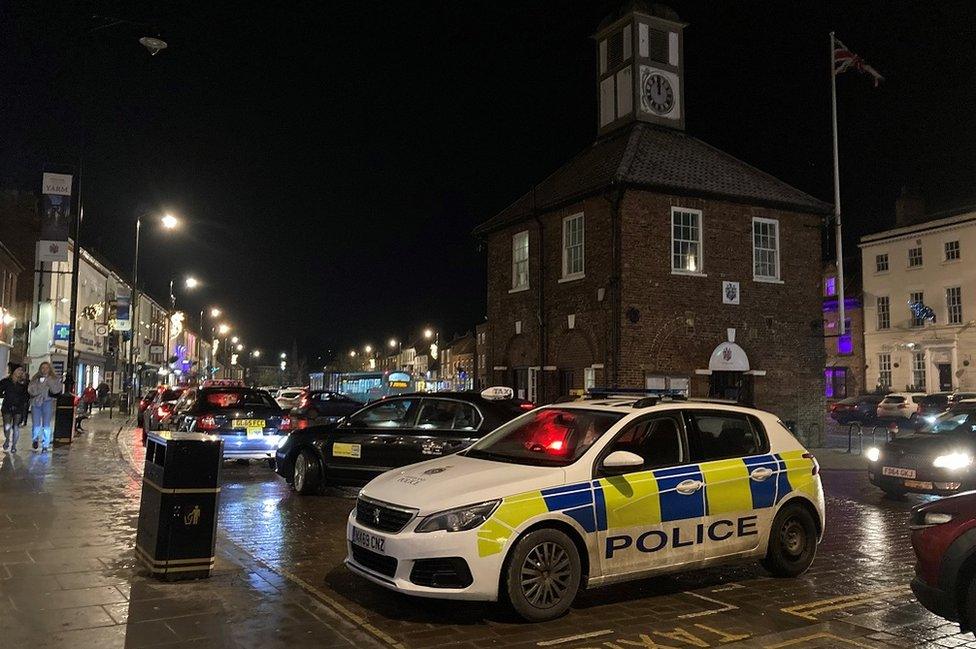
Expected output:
{"points": [[898, 472], [253, 427], [340, 449], [369, 541], [918, 484]]}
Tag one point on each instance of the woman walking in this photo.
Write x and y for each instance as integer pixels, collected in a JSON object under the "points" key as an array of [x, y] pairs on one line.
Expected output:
{"points": [[44, 389], [13, 391]]}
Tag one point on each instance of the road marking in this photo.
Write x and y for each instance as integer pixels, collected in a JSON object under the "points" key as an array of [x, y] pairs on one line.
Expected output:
{"points": [[723, 636], [727, 587], [817, 636], [810, 610], [725, 607], [581, 636]]}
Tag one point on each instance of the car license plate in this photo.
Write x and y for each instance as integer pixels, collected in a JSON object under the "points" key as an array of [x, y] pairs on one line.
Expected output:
{"points": [[898, 472], [918, 484], [340, 449], [369, 541]]}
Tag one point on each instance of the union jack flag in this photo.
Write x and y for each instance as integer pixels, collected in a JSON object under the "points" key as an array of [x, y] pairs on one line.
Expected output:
{"points": [[844, 60]]}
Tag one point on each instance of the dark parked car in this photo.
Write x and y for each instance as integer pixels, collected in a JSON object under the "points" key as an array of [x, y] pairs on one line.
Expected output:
{"points": [[248, 419], [944, 539], [938, 458], [390, 433], [158, 413], [933, 404], [862, 409], [322, 407]]}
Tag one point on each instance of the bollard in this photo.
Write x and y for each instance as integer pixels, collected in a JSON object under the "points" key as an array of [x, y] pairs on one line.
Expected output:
{"points": [[178, 512]]}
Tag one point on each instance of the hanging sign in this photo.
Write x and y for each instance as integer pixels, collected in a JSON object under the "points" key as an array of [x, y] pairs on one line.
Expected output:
{"points": [[123, 310], [55, 216]]}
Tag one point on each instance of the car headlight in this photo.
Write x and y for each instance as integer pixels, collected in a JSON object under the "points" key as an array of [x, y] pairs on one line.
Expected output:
{"points": [[953, 461], [282, 440], [873, 454], [460, 519], [936, 518], [930, 419]]}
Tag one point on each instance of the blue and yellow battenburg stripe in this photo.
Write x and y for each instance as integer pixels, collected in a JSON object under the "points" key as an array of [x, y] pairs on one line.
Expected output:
{"points": [[650, 497]]}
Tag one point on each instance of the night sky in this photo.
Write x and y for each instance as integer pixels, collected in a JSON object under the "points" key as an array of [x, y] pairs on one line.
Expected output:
{"points": [[330, 159]]}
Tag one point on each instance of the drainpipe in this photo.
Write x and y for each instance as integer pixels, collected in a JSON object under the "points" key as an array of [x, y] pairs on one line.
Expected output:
{"points": [[542, 301], [612, 353]]}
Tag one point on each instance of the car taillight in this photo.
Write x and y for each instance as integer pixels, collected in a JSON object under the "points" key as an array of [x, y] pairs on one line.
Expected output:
{"points": [[816, 465], [302, 424], [207, 422], [526, 406], [303, 403], [285, 423]]}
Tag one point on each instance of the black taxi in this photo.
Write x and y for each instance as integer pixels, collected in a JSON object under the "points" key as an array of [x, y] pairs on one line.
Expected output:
{"points": [[248, 419], [392, 432]]}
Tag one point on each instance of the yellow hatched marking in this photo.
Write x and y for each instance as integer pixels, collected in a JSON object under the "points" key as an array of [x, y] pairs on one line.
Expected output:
{"points": [[632, 500], [811, 610], [727, 486]]}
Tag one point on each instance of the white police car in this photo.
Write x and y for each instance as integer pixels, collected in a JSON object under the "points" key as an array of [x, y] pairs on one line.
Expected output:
{"points": [[588, 493]]}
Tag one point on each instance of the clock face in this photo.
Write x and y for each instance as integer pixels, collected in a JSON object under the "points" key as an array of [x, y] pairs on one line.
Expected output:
{"points": [[658, 95]]}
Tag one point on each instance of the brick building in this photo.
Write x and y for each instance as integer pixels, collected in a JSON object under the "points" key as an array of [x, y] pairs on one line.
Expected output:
{"points": [[652, 259]]}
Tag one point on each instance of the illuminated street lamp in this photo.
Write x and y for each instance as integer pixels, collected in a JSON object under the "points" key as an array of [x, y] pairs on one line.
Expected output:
{"points": [[214, 312], [428, 333], [284, 355], [235, 340], [223, 328], [239, 347], [169, 221], [256, 353], [352, 353], [393, 343], [192, 282], [368, 349]]}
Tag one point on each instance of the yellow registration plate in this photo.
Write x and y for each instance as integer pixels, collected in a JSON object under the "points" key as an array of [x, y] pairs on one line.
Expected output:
{"points": [[254, 427]]}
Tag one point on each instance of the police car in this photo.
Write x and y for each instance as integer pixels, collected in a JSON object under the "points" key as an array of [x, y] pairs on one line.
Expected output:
{"points": [[588, 493]]}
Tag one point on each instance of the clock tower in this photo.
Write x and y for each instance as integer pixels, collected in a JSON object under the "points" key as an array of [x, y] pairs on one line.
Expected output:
{"points": [[640, 67]]}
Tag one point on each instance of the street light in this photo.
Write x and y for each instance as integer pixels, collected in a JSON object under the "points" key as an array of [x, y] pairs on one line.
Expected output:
{"points": [[214, 312], [284, 355], [368, 349], [256, 353], [223, 328], [169, 222], [393, 343], [428, 333], [234, 340], [192, 282], [239, 347], [352, 353]]}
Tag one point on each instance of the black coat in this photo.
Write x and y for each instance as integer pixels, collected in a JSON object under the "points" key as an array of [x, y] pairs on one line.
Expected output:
{"points": [[14, 395]]}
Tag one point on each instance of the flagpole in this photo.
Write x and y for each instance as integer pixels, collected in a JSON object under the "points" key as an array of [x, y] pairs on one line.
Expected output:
{"points": [[838, 238]]}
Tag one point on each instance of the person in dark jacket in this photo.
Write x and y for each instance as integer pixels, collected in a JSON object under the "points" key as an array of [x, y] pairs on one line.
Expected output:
{"points": [[102, 391], [13, 391]]}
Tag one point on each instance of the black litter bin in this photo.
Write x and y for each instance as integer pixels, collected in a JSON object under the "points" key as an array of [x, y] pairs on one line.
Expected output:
{"points": [[178, 512], [64, 419]]}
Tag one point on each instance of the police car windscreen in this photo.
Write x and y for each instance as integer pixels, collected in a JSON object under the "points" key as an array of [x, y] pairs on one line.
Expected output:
{"points": [[547, 437]]}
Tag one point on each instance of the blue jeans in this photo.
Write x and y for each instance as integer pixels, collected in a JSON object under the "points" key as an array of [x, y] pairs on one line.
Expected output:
{"points": [[12, 422], [41, 416]]}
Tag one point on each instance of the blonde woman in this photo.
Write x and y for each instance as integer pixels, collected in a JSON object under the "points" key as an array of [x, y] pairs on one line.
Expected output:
{"points": [[44, 388]]}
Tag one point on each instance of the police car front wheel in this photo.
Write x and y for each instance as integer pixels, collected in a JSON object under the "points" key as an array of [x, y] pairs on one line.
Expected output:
{"points": [[543, 575], [792, 542]]}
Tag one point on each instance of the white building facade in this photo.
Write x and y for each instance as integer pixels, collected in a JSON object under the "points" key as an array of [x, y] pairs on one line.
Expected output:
{"points": [[932, 264]]}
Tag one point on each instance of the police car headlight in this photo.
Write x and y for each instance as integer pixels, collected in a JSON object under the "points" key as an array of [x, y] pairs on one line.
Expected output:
{"points": [[953, 461], [460, 519], [872, 454], [282, 439]]}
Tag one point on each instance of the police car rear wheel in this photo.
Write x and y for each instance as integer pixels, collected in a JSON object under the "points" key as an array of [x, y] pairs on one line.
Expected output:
{"points": [[308, 474], [792, 542], [543, 575]]}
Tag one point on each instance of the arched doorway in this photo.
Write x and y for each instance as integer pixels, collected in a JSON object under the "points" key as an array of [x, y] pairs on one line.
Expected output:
{"points": [[729, 377]]}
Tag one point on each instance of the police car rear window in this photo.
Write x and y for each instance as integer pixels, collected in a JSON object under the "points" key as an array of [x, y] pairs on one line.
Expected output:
{"points": [[726, 435], [546, 437]]}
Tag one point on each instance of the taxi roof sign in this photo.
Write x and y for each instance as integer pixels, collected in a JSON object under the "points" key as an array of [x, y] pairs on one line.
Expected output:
{"points": [[223, 383], [497, 393]]}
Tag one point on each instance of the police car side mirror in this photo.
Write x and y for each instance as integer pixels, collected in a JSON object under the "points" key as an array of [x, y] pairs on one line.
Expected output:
{"points": [[620, 461]]}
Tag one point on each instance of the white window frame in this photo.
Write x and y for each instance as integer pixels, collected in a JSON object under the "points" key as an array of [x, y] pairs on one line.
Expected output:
{"points": [[877, 263], [700, 242], [520, 241], [945, 251], [949, 318], [568, 276], [918, 370], [911, 314], [921, 257], [777, 278], [884, 370], [886, 311]]}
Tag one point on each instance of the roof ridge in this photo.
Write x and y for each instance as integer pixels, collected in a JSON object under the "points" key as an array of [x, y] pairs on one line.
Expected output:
{"points": [[627, 159], [756, 169]]}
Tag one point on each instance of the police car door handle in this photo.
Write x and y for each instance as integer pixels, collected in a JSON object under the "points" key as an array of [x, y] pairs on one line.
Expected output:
{"points": [[688, 487], [761, 473]]}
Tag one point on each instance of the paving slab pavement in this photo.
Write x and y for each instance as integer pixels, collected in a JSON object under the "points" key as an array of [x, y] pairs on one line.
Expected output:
{"points": [[69, 578]]}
